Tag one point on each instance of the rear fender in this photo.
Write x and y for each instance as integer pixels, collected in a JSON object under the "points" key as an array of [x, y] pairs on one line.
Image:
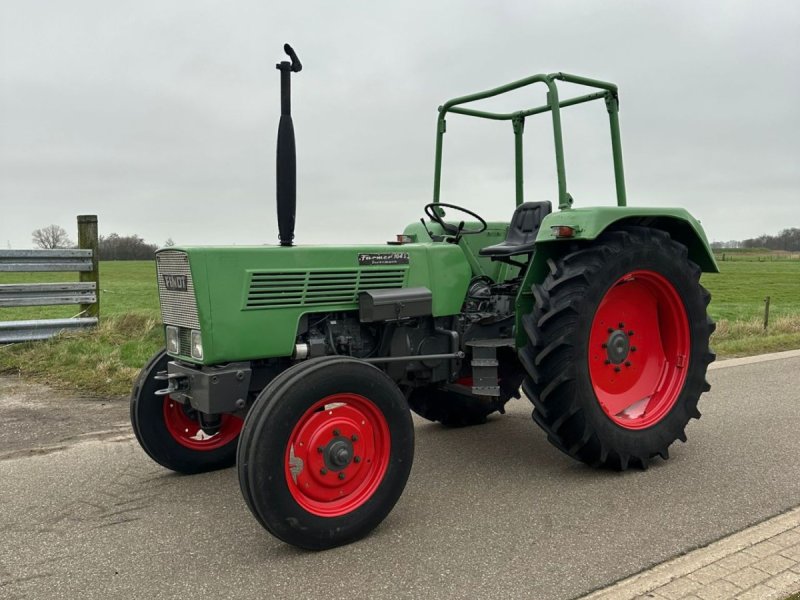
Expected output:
{"points": [[588, 223]]}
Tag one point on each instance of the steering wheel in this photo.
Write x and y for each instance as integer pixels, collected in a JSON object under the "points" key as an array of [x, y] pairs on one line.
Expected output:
{"points": [[450, 229]]}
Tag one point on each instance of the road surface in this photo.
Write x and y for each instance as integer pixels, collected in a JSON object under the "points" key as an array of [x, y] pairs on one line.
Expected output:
{"points": [[489, 512]]}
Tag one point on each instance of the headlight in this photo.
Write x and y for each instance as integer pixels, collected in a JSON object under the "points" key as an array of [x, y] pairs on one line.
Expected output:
{"points": [[197, 345], [173, 345]]}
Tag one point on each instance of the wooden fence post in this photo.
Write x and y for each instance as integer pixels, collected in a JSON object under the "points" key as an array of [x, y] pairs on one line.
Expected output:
{"points": [[766, 313], [87, 239]]}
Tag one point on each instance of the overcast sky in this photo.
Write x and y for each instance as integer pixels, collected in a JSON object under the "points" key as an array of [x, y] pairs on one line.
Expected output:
{"points": [[161, 116]]}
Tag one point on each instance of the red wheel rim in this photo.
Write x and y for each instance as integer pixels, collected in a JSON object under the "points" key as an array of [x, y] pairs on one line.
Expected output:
{"points": [[337, 455], [639, 349], [186, 430]]}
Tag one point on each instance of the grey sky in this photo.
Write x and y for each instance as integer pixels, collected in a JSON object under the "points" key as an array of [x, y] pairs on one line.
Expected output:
{"points": [[161, 116]]}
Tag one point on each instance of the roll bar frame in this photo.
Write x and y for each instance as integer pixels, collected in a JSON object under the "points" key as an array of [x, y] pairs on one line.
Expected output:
{"points": [[554, 105]]}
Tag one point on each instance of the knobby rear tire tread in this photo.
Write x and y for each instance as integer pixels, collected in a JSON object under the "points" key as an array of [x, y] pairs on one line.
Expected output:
{"points": [[550, 358]]}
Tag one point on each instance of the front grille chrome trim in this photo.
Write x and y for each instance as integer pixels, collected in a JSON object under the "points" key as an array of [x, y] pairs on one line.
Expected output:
{"points": [[177, 307]]}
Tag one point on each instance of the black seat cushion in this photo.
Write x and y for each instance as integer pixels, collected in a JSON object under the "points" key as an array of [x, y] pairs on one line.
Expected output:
{"points": [[522, 230]]}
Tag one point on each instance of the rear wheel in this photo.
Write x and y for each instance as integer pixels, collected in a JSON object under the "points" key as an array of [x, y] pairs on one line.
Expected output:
{"points": [[326, 452], [454, 409], [618, 348], [173, 434]]}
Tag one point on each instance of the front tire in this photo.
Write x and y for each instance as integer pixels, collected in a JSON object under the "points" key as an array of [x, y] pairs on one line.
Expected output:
{"points": [[325, 452], [169, 431], [618, 348]]}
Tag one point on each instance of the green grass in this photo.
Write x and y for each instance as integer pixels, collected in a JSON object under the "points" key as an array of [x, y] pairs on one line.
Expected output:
{"points": [[105, 361], [738, 292], [737, 304], [125, 287]]}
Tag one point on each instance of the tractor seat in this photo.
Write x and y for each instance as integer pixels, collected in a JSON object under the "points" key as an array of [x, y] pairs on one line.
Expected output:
{"points": [[522, 231]]}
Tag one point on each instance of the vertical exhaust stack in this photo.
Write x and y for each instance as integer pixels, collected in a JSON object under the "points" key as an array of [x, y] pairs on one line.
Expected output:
{"points": [[286, 162]]}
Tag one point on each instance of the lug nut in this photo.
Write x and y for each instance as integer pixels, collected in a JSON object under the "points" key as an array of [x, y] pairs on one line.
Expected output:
{"points": [[627, 363], [341, 475], [610, 330], [336, 432], [323, 471], [606, 361], [356, 459], [354, 437], [630, 333], [320, 449], [617, 369], [622, 325], [605, 345], [633, 348]]}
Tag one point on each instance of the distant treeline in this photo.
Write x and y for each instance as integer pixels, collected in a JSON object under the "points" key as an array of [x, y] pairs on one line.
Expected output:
{"points": [[128, 247], [787, 240], [110, 247]]}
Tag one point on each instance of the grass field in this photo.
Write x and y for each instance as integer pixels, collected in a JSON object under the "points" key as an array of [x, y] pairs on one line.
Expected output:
{"points": [[737, 302], [106, 361], [126, 286]]}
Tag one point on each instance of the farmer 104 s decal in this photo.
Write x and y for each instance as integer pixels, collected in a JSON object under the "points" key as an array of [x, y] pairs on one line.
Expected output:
{"points": [[299, 364]]}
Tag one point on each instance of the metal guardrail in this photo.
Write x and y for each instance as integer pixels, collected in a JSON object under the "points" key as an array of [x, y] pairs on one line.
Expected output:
{"points": [[45, 260], [40, 329], [46, 294], [85, 292]]}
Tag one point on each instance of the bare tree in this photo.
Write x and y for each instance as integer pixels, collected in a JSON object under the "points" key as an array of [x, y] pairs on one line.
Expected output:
{"points": [[52, 236]]}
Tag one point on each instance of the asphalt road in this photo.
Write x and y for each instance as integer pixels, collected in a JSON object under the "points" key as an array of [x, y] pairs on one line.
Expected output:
{"points": [[489, 512]]}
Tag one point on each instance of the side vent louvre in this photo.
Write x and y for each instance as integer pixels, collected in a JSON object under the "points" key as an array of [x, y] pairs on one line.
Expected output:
{"points": [[278, 289]]}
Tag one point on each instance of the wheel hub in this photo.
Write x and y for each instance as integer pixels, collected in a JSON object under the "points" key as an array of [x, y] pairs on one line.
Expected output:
{"points": [[638, 349], [338, 454], [618, 347], [198, 431]]}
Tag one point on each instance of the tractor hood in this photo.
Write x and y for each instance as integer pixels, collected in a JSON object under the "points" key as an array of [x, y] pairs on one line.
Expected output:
{"points": [[247, 301]]}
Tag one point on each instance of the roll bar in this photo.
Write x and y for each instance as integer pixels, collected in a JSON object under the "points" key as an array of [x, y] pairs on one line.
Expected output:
{"points": [[554, 106]]}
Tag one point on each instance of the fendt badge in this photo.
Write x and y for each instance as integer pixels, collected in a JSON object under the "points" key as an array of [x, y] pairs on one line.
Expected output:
{"points": [[175, 283]]}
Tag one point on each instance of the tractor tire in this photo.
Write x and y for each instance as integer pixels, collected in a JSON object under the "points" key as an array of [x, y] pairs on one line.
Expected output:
{"points": [[326, 452], [170, 433], [618, 348], [452, 409]]}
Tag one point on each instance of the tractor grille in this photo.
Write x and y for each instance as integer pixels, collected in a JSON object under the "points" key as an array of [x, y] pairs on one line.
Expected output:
{"points": [[177, 307], [272, 289], [184, 341]]}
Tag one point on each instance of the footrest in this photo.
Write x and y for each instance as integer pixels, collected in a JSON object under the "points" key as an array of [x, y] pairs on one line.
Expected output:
{"points": [[485, 362], [484, 365]]}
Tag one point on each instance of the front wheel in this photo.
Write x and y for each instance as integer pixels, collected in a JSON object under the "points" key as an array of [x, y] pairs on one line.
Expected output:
{"points": [[172, 434], [325, 452], [618, 348]]}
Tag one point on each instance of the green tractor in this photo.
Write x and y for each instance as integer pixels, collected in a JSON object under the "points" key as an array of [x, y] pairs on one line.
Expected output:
{"points": [[301, 364]]}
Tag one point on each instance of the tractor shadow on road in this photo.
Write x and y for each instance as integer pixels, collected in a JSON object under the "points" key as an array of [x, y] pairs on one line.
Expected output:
{"points": [[489, 480], [509, 445]]}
